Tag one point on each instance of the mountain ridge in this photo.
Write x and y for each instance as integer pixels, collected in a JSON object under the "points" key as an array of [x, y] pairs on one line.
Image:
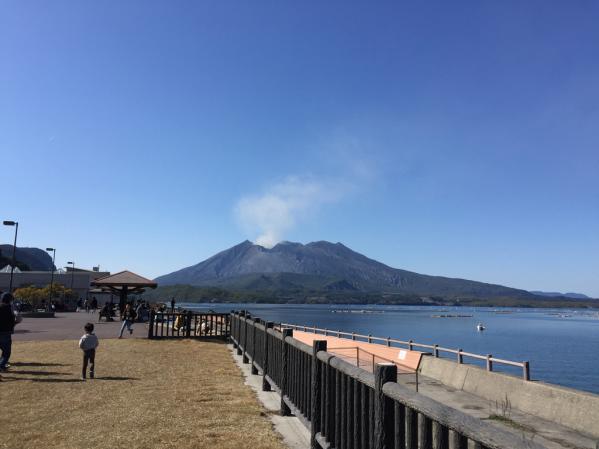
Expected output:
{"points": [[34, 259], [322, 266], [570, 295]]}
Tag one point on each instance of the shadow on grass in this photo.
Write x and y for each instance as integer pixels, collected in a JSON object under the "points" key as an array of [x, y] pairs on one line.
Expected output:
{"points": [[115, 378], [38, 373], [38, 364], [51, 380], [38, 379]]}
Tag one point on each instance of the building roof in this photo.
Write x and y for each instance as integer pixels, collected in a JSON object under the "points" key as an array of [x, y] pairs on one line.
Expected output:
{"points": [[7, 268], [124, 279]]}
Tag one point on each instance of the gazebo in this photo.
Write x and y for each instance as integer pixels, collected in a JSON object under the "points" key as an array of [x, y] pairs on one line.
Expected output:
{"points": [[123, 283]]}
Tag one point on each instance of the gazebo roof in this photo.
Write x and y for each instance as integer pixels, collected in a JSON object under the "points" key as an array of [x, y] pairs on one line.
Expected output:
{"points": [[124, 279]]}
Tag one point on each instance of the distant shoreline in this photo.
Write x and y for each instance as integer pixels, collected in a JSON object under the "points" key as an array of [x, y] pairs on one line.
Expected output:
{"points": [[194, 294]]}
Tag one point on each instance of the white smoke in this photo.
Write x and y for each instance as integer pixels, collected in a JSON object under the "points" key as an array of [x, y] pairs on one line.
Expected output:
{"points": [[277, 210]]}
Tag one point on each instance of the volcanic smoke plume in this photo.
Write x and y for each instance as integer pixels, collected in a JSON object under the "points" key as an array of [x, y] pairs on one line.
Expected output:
{"points": [[277, 210]]}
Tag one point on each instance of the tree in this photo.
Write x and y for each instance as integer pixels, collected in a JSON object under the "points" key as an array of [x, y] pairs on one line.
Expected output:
{"points": [[36, 295]]}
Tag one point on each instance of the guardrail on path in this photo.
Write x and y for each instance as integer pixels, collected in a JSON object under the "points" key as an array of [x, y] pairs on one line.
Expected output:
{"points": [[436, 350]]}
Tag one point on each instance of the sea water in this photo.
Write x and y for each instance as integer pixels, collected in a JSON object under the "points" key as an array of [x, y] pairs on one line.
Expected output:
{"points": [[561, 345]]}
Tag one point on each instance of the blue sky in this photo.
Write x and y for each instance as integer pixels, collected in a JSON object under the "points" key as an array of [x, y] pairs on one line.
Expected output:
{"points": [[449, 138]]}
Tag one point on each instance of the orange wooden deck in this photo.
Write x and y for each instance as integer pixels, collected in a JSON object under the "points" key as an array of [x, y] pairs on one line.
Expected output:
{"points": [[407, 361]]}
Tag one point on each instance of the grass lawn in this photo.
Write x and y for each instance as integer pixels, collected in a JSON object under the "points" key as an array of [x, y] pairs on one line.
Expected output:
{"points": [[147, 394]]}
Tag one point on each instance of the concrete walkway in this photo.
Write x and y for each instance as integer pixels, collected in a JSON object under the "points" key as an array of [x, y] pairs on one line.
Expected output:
{"points": [[69, 326], [294, 433], [541, 431]]}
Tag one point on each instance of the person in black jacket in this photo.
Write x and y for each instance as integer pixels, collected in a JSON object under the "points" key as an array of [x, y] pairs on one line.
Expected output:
{"points": [[7, 326]]}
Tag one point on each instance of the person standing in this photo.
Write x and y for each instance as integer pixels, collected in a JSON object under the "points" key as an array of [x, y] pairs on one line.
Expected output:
{"points": [[173, 304], [7, 326], [94, 304], [88, 344], [128, 318]]}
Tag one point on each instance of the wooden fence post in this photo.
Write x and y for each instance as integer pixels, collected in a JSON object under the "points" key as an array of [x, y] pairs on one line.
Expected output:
{"points": [[188, 324], [411, 429], [151, 324], [233, 321], [285, 411], [316, 392], [457, 441], [526, 375], [384, 423], [440, 436], [254, 322], [239, 315], [425, 432], [265, 383], [245, 338]]}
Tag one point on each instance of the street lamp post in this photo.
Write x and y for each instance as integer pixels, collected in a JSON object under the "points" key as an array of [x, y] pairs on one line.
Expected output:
{"points": [[72, 273], [14, 249], [51, 277]]}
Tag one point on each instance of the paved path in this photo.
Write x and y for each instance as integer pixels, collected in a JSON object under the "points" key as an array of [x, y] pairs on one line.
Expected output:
{"points": [[67, 326]]}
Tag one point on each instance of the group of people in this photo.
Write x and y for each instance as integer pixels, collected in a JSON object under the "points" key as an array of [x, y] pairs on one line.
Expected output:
{"points": [[138, 310], [88, 343], [89, 305]]}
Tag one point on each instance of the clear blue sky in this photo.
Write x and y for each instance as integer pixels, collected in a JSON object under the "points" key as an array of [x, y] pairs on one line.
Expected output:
{"points": [[450, 138]]}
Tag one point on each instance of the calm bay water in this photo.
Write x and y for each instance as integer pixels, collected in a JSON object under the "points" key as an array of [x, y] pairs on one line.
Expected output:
{"points": [[561, 345]]}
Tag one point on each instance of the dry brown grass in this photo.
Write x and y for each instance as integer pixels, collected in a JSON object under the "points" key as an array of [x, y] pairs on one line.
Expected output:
{"points": [[147, 394]]}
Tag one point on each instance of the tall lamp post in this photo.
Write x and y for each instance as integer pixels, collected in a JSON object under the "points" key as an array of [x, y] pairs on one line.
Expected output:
{"points": [[14, 249], [52, 277], [72, 273]]}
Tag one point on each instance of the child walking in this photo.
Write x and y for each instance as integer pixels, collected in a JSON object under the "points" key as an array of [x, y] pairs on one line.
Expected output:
{"points": [[88, 344]]}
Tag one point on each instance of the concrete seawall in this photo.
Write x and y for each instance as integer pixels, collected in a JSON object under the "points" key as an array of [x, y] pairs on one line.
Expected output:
{"points": [[571, 408]]}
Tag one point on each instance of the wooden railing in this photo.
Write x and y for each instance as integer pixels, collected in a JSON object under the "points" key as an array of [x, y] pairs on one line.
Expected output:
{"points": [[189, 325], [435, 350], [347, 407]]}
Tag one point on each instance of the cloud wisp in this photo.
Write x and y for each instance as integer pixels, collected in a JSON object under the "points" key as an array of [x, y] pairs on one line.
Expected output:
{"points": [[284, 204]]}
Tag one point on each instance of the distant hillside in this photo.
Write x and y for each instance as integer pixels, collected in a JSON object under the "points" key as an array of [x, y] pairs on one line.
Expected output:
{"points": [[560, 295], [322, 266], [28, 259]]}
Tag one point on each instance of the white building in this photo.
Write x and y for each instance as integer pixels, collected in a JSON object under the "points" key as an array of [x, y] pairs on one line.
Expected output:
{"points": [[79, 280]]}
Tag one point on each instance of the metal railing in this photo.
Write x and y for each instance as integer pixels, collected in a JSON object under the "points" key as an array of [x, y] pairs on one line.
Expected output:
{"points": [[347, 407], [436, 350], [368, 360]]}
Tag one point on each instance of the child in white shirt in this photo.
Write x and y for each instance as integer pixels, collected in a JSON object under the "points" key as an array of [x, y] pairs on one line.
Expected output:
{"points": [[88, 344]]}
